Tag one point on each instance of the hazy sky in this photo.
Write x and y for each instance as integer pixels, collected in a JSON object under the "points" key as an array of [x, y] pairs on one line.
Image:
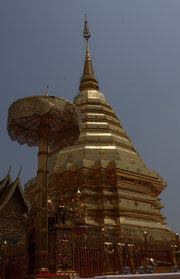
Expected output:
{"points": [[135, 48]]}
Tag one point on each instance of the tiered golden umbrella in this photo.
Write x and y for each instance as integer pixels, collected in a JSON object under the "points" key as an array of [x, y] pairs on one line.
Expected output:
{"points": [[43, 121]]}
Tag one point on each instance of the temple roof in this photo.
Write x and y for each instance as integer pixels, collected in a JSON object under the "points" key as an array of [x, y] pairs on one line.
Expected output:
{"points": [[5, 181], [8, 188]]}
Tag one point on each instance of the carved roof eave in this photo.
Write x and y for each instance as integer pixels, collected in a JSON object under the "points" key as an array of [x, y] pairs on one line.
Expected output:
{"points": [[14, 185], [4, 181]]}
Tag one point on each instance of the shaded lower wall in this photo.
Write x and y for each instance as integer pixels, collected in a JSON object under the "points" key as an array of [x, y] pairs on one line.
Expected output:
{"points": [[14, 262]]}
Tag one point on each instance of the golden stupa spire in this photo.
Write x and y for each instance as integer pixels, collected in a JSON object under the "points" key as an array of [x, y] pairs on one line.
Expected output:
{"points": [[88, 79]]}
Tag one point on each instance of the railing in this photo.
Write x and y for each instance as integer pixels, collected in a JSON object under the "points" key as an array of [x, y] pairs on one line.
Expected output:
{"points": [[90, 262]]}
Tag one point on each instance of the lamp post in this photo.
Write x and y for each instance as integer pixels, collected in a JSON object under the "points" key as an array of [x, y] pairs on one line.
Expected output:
{"points": [[43, 121]]}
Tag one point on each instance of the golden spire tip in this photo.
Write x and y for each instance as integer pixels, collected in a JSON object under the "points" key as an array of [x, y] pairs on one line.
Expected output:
{"points": [[88, 79], [86, 33]]}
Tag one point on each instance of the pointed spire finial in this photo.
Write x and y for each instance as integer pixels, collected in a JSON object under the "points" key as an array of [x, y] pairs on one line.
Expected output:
{"points": [[9, 171], [19, 172], [47, 89], [88, 80]]}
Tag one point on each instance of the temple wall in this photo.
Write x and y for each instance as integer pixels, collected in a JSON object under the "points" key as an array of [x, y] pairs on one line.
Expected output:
{"points": [[13, 222]]}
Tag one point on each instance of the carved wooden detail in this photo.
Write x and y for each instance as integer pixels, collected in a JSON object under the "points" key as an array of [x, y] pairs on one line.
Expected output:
{"points": [[13, 221], [64, 250]]}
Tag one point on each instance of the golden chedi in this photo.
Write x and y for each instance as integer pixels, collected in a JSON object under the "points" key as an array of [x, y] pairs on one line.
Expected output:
{"points": [[120, 193]]}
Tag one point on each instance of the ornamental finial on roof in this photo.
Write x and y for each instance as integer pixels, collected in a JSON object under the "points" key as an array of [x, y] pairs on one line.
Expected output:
{"points": [[19, 172], [9, 171], [47, 89]]}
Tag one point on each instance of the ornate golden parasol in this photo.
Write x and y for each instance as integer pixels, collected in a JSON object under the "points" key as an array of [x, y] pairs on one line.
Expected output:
{"points": [[43, 121]]}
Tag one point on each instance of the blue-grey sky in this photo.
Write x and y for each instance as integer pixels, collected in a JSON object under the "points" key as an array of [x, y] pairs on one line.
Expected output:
{"points": [[135, 48]]}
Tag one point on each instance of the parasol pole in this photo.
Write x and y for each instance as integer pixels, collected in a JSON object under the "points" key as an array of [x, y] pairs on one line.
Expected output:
{"points": [[41, 250]]}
